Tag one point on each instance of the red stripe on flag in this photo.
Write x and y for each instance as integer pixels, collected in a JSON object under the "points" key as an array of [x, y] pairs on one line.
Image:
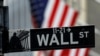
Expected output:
{"points": [[87, 52], [74, 17], [65, 52], [77, 52], [53, 13], [51, 53], [65, 12]]}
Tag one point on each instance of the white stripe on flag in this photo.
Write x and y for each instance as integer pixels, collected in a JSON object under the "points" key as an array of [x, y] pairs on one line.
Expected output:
{"points": [[68, 17], [57, 52], [58, 15], [72, 52], [82, 51], [48, 12]]}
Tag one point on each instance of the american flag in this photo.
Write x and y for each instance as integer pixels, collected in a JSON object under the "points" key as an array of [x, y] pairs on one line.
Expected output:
{"points": [[55, 13]]}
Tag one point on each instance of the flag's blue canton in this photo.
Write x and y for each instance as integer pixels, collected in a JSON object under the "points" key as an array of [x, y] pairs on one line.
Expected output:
{"points": [[37, 9]]}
